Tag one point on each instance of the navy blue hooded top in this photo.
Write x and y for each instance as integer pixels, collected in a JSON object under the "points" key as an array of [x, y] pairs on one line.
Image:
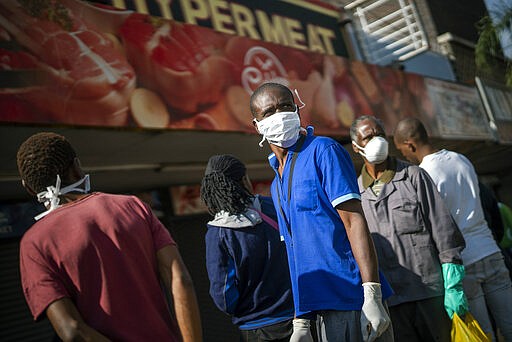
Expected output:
{"points": [[247, 267]]}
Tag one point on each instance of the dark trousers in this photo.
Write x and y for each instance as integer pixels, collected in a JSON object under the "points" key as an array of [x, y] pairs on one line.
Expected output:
{"points": [[421, 321], [279, 332]]}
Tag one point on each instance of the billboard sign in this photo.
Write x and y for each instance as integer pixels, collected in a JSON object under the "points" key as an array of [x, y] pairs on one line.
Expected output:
{"points": [[300, 24], [497, 100], [459, 111], [69, 62]]}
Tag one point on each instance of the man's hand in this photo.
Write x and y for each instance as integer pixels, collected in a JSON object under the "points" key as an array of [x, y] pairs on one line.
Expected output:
{"points": [[374, 317], [301, 330], [68, 323]]}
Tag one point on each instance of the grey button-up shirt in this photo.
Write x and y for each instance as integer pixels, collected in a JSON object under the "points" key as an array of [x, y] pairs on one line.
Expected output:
{"points": [[413, 233]]}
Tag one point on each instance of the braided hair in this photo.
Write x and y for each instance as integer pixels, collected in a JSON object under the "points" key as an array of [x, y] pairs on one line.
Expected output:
{"points": [[42, 157], [222, 188]]}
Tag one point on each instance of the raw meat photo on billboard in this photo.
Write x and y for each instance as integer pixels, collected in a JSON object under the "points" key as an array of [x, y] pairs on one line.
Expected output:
{"points": [[75, 63]]}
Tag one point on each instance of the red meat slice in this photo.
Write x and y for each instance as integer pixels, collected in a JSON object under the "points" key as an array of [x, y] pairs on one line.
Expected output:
{"points": [[88, 80], [180, 62]]}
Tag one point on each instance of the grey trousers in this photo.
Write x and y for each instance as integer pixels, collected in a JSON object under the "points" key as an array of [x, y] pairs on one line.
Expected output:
{"points": [[487, 286], [345, 326]]}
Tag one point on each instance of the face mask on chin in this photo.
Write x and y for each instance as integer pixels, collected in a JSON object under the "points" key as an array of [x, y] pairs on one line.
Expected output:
{"points": [[280, 129], [376, 151]]}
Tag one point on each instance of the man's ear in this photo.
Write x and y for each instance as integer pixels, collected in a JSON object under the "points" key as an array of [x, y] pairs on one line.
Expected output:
{"points": [[255, 125], [354, 148], [411, 145]]}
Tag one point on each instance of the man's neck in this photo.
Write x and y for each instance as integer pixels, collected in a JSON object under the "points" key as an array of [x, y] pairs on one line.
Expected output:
{"points": [[376, 170], [281, 154], [425, 150], [70, 197]]}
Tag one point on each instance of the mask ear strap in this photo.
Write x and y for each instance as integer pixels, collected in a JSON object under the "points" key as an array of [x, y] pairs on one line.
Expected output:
{"points": [[361, 149], [262, 140], [298, 97], [263, 134]]}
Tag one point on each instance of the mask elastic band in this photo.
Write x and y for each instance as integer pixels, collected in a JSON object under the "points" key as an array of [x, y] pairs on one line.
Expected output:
{"points": [[298, 97], [262, 140], [263, 135], [361, 149]]}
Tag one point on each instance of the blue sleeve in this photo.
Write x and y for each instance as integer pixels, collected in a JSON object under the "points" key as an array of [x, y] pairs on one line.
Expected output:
{"points": [[221, 272], [339, 179]]}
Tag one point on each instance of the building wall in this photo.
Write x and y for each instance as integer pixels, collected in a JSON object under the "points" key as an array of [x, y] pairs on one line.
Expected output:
{"points": [[457, 17], [428, 24]]}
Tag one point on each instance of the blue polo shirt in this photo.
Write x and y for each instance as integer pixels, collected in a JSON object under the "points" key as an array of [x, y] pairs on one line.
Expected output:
{"points": [[324, 272]]}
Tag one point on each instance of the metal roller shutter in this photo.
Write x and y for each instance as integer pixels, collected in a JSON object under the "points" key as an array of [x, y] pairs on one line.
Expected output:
{"points": [[189, 234], [16, 323]]}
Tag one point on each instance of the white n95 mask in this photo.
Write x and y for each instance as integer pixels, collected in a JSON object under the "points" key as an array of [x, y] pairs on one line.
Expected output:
{"points": [[281, 129], [376, 151]]}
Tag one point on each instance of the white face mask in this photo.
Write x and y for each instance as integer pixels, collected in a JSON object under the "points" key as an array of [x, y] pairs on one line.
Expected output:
{"points": [[50, 197], [376, 151], [281, 129]]}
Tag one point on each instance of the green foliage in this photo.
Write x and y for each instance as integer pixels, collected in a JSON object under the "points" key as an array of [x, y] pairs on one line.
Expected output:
{"points": [[488, 46]]}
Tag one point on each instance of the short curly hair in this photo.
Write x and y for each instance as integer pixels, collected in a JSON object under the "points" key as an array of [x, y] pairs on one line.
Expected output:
{"points": [[42, 157]]}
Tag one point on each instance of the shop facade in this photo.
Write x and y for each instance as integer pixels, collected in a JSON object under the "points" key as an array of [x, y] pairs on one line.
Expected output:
{"points": [[148, 90]]}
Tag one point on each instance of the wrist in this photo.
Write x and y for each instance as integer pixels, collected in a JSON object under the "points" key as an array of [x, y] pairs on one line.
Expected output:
{"points": [[372, 290], [453, 274], [371, 283]]}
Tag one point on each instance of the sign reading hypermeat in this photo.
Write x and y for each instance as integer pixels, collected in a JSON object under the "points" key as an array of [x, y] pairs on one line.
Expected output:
{"points": [[301, 24], [71, 62]]}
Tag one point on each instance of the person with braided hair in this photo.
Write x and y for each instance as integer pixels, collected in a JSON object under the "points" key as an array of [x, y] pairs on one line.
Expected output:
{"points": [[245, 258], [93, 263]]}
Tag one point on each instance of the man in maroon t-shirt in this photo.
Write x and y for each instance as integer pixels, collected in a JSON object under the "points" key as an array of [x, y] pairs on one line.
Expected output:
{"points": [[94, 263]]}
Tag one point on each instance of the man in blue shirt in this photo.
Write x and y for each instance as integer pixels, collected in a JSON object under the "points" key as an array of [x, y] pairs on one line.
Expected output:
{"points": [[331, 256]]}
